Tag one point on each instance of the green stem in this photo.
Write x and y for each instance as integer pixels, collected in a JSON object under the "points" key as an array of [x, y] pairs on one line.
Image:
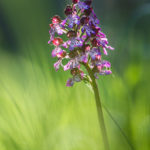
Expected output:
{"points": [[99, 107]]}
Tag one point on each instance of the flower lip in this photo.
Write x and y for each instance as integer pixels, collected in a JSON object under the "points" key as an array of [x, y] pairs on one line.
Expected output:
{"points": [[70, 82], [105, 72], [62, 54], [95, 29], [68, 10], [57, 64], [57, 41], [56, 19]]}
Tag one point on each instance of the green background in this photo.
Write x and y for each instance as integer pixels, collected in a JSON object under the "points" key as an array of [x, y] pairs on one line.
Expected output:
{"points": [[37, 110]]}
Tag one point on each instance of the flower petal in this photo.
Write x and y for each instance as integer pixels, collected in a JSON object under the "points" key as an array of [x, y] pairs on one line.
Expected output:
{"points": [[70, 82], [57, 64]]}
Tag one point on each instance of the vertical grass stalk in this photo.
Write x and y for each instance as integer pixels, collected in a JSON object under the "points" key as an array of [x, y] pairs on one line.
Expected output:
{"points": [[99, 107]]}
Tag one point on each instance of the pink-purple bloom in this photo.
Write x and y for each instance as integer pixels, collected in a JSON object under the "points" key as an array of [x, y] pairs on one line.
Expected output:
{"points": [[85, 44]]}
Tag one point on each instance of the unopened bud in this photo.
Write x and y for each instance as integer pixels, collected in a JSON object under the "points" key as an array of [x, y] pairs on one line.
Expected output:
{"points": [[57, 41], [56, 19]]}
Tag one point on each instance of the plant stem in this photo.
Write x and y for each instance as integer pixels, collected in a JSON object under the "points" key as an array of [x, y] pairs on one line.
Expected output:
{"points": [[99, 107], [100, 114]]}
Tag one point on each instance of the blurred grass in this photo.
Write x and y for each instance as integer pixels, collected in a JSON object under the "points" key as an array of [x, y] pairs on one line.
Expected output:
{"points": [[38, 112], [43, 112]]}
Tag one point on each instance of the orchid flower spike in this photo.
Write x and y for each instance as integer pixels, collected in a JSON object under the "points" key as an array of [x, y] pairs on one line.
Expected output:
{"points": [[86, 44]]}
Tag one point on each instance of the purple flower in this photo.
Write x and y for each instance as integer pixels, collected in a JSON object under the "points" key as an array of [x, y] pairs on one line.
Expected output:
{"points": [[106, 64], [68, 65], [104, 67], [70, 82], [57, 64], [94, 53], [76, 78], [59, 29], [84, 58], [88, 30], [52, 35], [75, 42], [105, 72], [66, 44], [72, 64], [93, 19], [72, 20], [55, 28], [103, 42], [82, 5], [57, 52]]}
